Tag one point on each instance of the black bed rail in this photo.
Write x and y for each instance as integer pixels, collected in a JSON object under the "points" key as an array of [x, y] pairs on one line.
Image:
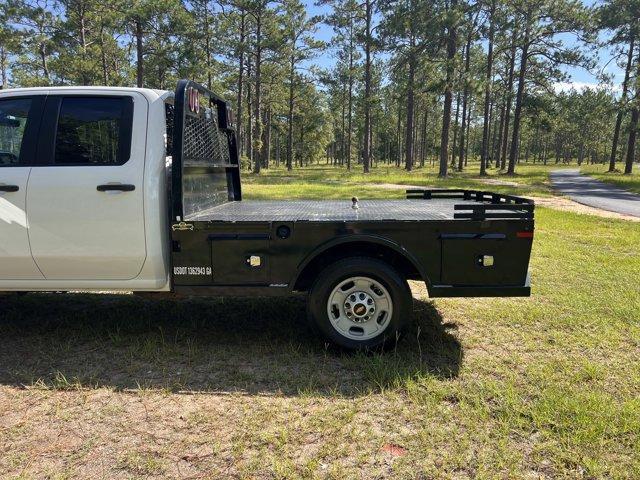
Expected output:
{"points": [[489, 205]]}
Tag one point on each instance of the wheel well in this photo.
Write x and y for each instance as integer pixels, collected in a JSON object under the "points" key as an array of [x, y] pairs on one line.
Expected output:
{"points": [[355, 249]]}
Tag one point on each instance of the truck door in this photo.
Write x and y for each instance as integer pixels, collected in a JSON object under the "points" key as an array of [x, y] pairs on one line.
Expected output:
{"points": [[85, 203], [19, 118]]}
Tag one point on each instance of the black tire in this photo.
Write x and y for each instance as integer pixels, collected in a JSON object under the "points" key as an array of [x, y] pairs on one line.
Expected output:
{"points": [[368, 268]]}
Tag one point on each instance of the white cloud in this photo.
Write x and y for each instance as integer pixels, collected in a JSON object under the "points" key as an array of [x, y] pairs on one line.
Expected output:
{"points": [[582, 86]]}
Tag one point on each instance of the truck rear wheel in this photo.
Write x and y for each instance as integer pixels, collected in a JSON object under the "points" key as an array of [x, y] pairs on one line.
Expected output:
{"points": [[360, 303]]}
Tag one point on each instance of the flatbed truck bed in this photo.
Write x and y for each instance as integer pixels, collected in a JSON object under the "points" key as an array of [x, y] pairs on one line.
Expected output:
{"points": [[331, 211], [139, 190]]}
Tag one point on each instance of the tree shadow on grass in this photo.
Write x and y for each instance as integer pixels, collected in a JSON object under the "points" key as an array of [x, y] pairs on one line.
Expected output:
{"points": [[252, 346]]}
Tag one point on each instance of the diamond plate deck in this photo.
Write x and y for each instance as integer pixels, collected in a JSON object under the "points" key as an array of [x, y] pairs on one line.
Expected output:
{"points": [[330, 211]]}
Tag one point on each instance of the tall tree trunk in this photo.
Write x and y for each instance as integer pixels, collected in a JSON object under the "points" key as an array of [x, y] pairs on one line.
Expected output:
{"points": [[3, 68], [257, 136], [207, 44], [290, 115], [243, 16], [509, 99], [350, 119], [266, 136], [518, 111], [448, 97], [633, 127], [493, 130], [621, 108], [249, 130], [45, 62], [83, 44], [410, 111], [456, 127], [465, 96], [399, 136], [423, 148], [301, 145], [466, 148], [343, 142], [497, 145], [366, 150], [139, 54], [103, 57], [487, 91]]}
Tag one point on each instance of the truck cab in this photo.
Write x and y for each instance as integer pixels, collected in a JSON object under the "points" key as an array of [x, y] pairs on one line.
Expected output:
{"points": [[129, 189], [81, 200]]}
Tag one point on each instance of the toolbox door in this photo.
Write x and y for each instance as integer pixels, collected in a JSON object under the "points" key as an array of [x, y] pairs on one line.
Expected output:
{"points": [[477, 259], [240, 256]]}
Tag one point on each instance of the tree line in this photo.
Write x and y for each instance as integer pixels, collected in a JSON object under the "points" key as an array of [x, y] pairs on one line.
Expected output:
{"points": [[411, 82]]}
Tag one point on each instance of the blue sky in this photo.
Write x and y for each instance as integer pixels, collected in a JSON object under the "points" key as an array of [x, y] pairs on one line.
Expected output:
{"points": [[579, 77]]}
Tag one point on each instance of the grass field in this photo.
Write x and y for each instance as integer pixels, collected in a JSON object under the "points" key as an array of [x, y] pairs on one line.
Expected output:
{"points": [[115, 386], [322, 181]]}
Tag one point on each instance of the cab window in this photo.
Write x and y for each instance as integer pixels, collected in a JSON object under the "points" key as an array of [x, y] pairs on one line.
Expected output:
{"points": [[93, 131], [13, 122]]}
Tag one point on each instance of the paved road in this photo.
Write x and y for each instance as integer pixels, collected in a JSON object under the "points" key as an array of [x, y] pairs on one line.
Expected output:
{"points": [[588, 191]]}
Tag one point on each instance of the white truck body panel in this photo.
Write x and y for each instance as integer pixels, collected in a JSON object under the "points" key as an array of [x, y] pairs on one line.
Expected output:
{"points": [[15, 256], [82, 239], [86, 234]]}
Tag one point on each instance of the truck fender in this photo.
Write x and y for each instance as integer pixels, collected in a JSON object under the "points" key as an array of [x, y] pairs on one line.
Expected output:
{"points": [[360, 238]]}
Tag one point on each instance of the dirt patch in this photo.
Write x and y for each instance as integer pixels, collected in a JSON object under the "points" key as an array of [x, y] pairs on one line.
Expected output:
{"points": [[567, 205], [496, 181]]}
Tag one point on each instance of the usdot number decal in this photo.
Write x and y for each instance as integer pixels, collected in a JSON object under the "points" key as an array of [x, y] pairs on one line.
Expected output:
{"points": [[192, 270]]}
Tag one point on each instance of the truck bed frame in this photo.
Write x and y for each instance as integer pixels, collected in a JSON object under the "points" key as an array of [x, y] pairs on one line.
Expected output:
{"points": [[459, 242], [443, 205]]}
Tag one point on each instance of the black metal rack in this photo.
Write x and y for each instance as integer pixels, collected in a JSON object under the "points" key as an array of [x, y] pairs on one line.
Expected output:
{"points": [[489, 205], [203, 141]]}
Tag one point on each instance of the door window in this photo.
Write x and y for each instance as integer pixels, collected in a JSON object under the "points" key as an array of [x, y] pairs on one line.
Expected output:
{"points": [[13, 122], [93, 131]]}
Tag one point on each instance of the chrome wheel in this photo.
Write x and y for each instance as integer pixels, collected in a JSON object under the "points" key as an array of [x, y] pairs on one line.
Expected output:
{"points": [[359, 308]]}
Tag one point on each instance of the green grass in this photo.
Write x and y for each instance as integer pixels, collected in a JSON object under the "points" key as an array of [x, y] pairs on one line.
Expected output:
{"points": [[324, 181], [630, 182], [541, 387]]}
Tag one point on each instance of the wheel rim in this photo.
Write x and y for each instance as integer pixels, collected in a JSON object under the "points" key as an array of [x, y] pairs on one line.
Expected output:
{"points": [[359, 308]]}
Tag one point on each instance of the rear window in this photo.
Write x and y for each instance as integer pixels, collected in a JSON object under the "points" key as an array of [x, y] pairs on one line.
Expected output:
{"points": [[13, 121], [93, 131]]}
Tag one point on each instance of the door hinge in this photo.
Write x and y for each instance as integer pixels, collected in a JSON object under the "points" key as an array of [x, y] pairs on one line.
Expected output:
{"points": [[181, 226]]}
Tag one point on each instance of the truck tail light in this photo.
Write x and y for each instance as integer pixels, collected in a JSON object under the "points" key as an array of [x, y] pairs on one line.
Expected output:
{"points": [[524, 234]]}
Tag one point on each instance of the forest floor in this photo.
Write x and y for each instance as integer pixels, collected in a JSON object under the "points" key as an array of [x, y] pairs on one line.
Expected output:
{"points": [[116, 386]]}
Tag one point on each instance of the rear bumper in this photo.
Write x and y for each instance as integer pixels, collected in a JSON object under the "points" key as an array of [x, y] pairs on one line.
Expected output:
{"points": [[436, 291]]}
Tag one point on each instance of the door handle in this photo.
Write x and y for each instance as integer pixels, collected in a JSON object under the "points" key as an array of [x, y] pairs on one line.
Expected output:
{"points": [[116, 187], [9, 188]]}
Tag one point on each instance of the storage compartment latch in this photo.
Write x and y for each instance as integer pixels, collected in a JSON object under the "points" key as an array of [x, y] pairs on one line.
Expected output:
{"points": [[486, 260], [254, 260]]}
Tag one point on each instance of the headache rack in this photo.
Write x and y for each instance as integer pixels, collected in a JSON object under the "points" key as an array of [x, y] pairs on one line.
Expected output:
{"points": [[205, 169], [489, 205]]}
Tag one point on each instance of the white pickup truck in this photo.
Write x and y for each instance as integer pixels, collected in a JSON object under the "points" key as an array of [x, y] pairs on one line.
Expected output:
{"points": [[139, 190]]}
